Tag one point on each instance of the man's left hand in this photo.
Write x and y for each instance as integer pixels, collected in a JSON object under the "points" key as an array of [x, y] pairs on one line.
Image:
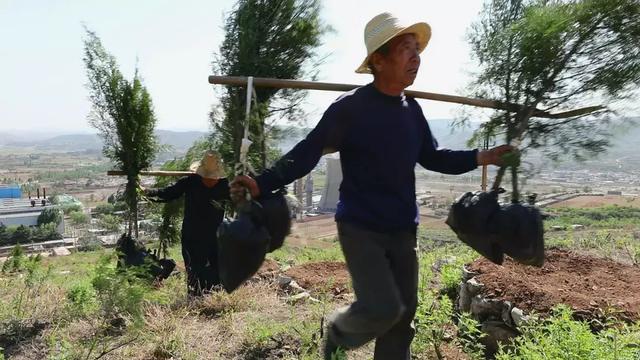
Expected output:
{"points": [[494, 156]]}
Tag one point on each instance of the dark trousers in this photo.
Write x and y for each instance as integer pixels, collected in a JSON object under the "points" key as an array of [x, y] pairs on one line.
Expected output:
{"points": [[384, 272], [201, 265]]}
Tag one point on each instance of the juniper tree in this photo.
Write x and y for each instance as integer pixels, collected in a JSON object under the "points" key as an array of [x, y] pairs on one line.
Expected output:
{"points": [[555, 55], [122, 112], [264, 38]]}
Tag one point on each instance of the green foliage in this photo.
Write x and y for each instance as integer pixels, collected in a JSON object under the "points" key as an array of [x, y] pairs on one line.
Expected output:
{"points": [[21, 235], [103, 209], [123, 114], [561, 337], [80, 172], [12, 235], [82, 298], [296, 256], [267, 337], [110, 222], [89, 242], [433, 316], [45, 232], [555, 55], [469, 336], [120, 292], [26, 293], [15, 261], [49, 215], [602, 217], [4, 233], [69, 208], [450, 279], [79, 218], [264, 39]]}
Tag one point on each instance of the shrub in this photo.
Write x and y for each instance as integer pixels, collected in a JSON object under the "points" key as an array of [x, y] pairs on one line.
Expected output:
{"points": [[103, 209], [110, 222], [561, 337], [78, 217], [81, 298], [469, 336], [22, 234], [71, 207], [433, 316], [16, 260], [49, 215], [450, 278], [119, 292], [44, 232], [89, 242]]}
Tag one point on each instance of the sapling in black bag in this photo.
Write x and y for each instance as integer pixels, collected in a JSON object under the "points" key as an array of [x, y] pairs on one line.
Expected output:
{"points": [[260, 227], [494, 230]]}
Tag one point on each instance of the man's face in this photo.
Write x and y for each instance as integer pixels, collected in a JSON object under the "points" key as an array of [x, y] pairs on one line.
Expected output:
{"points": [[400, 65]]}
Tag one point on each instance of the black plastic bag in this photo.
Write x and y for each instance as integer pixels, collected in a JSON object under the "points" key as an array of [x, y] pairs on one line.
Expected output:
{"points": [[494, 230], [521, 233], [242, 246], [275, 216], [471, 217], [260, 227], [132, 254]]}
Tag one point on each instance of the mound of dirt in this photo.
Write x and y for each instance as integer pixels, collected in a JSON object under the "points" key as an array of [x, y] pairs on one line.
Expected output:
{"points": [[588, 284], [323, 276], [268, 268]]}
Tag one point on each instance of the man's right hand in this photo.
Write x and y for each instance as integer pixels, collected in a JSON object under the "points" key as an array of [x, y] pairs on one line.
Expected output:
{"points": [[239, 186]]}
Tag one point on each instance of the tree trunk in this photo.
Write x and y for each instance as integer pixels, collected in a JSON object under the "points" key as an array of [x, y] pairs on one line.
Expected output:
{"points": [[263, 146], [135, 219], [515, 194]]}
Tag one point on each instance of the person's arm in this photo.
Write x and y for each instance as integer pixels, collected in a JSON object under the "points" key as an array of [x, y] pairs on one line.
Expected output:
{"points": [[170, 192], [326, 137], [456, 162], [442, 160]]}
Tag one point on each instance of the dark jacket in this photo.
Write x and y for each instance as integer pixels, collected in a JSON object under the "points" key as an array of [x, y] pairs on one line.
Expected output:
{"points": [[380, 138]]}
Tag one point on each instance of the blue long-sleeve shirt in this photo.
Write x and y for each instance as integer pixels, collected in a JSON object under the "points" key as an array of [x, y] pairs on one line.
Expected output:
{"points": [[380, 139]]}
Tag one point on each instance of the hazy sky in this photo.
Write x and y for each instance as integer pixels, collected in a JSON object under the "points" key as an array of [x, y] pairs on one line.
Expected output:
{"points": [[43, 78]]}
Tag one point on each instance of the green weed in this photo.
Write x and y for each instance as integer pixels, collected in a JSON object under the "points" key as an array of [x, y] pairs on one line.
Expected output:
{"points": [[561, 337]]}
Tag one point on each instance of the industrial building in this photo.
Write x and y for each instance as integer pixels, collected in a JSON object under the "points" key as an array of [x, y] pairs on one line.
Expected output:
{"points": [[15, 211]]}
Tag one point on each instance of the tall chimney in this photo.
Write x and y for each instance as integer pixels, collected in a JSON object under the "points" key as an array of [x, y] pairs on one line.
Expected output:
{"points": [[38, 189]]}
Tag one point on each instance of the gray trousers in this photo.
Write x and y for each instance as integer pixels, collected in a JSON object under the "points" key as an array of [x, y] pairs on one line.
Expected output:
{"points": [[384, 272]]}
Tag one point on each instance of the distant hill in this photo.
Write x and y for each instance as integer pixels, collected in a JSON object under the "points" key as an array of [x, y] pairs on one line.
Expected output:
{"points": [[180, 141], [625, 149]]}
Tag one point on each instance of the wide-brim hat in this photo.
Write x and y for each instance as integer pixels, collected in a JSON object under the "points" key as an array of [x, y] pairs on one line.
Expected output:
{"points": [[209, 167], [386, 26]]}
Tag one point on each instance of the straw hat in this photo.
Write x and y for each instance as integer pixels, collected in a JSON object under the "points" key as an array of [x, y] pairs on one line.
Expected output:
{"points": [[385, 27], [209, 167]]}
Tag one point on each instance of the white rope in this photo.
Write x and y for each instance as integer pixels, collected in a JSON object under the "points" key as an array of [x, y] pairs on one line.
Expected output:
{"points": [[244, 167]]}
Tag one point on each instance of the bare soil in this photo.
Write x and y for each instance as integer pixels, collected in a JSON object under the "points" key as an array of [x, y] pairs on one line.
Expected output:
{"points": [[591, 286], [324, 276], [268, 268]]}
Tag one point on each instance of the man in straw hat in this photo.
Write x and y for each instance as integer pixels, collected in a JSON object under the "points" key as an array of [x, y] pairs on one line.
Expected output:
{"points": [[203, 212], [381, 134]]}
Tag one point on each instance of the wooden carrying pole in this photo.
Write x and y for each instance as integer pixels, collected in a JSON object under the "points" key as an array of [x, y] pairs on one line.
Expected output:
{"points": [[314, 85], [153, 173]]}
